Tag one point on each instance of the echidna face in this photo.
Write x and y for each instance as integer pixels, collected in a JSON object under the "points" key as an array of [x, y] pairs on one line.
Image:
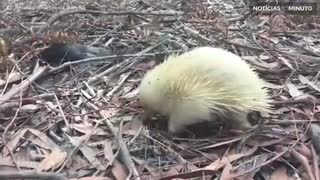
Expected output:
{"points": [[150, 94]]}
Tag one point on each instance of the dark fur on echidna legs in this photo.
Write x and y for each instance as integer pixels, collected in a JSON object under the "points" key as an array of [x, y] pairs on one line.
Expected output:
{"points": [[203, 84], [59, 53]]}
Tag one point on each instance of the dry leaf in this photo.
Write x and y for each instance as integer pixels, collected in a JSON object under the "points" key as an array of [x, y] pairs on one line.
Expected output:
{"points": [[174, 170], [194, 174], [280, 173], [42, 140], [87, 152], [282, 110], [107, 113], [119, 171], [7, 161], [304, 150], [87, 129], [132, 127], [293, 90], [12, 144], [90, 155], [286, 62], [14, 76], [76, 140], [146, 66], [226, 175], [252, 161], [305, 80], [30, 108], [279, 22], [264, 141], [131, 94], [219, 163], [108, 150], [274, 40], [118, 119], [53, 160]]}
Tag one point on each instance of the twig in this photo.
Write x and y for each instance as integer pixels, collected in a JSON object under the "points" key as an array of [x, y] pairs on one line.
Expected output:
{"points": [[62, 113], [117, 87], [111, 57], [225, 142], [294, 121], [296, 101], [125, 155], [21, 25], [123, 63], [57, 16], [6, 130], [296, 32], [129, 64], [123, 150], [243, 45], [263, 164], [24, 84], [167, 148], [8, 80], [240, 18], [196, 33], [135, 136], [75, 149], [303, 48], [313, 59]]}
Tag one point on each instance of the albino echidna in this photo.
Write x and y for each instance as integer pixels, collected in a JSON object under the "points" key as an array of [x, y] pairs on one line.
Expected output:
{"points": [[3, 47], [202, 85]]}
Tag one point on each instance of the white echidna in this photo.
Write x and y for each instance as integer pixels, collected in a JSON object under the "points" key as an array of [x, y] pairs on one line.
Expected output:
{"points": [[203, 84], [3, 47]]}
